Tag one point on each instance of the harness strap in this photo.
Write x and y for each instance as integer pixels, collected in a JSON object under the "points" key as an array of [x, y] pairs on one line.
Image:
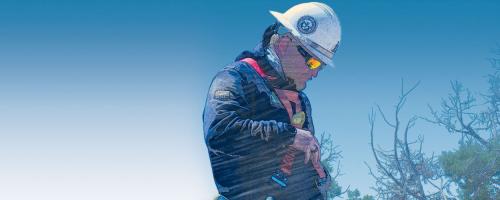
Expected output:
{"points": [[252, 62], [255, 66]]}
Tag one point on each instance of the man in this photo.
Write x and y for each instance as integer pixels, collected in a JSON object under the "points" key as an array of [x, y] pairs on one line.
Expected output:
{"points": [[257, 121]]}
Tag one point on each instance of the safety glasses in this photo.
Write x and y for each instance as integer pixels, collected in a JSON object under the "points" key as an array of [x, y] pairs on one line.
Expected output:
{"points": [[311, 62]]}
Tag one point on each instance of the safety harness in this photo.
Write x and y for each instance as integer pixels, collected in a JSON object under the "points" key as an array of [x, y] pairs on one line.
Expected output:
{"points": [[290, 100]]}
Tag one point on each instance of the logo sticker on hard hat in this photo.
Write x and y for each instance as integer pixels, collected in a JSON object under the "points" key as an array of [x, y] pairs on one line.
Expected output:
{"points": [[306, 24]]}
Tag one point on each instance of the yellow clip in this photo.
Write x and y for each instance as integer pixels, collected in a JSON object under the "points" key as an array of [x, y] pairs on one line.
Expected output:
{"points": [[298, 119]]}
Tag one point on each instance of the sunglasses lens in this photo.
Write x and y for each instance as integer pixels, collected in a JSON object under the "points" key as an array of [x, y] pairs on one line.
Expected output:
{"points": [[313, 63]]}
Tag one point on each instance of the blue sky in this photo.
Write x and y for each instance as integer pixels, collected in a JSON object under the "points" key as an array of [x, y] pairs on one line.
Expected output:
{"points": [[103, 99]]}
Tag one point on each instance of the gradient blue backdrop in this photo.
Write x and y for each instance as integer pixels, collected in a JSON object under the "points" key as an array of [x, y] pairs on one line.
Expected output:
{"points": [[103, 99]]}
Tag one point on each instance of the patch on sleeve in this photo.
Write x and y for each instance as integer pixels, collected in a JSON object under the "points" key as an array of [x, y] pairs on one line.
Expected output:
{"points": [[223, 95]]}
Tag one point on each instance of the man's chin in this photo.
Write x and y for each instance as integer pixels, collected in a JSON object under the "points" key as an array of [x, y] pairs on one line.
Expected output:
{"points": [[300, 87]]}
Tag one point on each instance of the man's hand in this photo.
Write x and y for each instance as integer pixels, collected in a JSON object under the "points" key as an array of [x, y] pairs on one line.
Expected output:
{"points": [[307, 143]]}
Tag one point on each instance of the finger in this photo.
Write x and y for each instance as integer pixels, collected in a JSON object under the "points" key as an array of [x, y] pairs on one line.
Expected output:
{"points": [[318, 167], [315, 141], [308, 155], [315, 158]]}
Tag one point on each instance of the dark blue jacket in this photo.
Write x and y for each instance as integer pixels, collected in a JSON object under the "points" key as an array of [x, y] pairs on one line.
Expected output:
{"points": [[247, 131]]}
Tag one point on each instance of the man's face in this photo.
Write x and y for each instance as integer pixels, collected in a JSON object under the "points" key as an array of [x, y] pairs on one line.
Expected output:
{"points": [[293, 63]]}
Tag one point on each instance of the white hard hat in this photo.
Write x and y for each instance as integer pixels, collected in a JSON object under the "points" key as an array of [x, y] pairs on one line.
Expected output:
{"points": [[316, 26]]}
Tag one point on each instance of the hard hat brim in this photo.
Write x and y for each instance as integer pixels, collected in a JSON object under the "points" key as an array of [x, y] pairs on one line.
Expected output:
{"points": [[328, 61], [286, 23]]}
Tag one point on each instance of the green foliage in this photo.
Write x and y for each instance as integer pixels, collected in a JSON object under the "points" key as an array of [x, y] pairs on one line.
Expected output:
{"points": [[335, 190], [356, 195], [475, 169]]}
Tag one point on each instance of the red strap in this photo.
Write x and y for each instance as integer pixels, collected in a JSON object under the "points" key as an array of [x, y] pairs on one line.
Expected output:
{"points": [[255, 66]]}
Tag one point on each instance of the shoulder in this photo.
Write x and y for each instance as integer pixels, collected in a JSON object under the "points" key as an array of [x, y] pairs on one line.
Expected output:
{"points": [[231, 77], [236, 71]]}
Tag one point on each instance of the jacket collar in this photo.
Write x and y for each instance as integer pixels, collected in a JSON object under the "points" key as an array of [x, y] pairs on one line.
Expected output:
{"points": [[269, 63]]}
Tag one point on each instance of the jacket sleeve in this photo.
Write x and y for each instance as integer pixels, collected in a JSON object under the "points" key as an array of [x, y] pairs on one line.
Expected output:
{"points": [[226, 116]]}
